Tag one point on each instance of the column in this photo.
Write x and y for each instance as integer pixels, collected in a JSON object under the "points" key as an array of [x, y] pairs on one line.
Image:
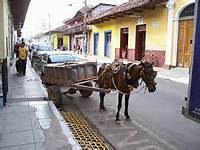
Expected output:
{"points": [[168, 54]]}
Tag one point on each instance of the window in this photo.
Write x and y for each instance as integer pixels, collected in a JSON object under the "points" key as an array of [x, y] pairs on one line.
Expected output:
{"points": [[188, 11]]}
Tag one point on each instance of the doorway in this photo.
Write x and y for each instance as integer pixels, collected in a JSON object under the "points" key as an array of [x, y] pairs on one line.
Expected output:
{"points": [[60, 42], [123, 43], [96, 43], [107, 43], [140, 42], [185, 35], [70, 42]]}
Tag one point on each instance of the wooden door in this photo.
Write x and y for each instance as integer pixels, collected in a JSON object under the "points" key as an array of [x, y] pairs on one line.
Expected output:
{"points": [[185, 43], [123, 42], [140, 41]]}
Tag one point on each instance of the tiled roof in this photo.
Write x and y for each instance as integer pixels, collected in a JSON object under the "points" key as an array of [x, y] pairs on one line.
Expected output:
{"points": [[75, 24], [58, 29], [126, 8]]}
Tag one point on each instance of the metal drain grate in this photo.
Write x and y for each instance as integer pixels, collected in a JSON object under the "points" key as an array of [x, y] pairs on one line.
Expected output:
{"points": [[85, 136]]}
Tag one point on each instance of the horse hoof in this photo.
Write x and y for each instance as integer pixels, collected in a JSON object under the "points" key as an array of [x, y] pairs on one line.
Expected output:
{"points": [[117, 119], [128, 118], [102, 109]]}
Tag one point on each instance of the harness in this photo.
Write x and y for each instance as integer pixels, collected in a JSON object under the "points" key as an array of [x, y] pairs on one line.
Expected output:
{"points": [[128, 81]]}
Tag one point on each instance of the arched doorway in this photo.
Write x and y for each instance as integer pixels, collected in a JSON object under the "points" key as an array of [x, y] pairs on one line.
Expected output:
{"points": [[186, 21]]}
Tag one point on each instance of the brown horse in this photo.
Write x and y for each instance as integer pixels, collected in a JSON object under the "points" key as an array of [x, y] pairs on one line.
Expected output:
{"points": [[125, 78]]}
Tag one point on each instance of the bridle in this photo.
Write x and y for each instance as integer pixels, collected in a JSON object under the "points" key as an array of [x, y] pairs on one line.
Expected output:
{"points": [[147, 76]]}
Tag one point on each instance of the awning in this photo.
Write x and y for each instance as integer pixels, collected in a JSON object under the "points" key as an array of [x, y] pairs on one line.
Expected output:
{"points": [[18, 10]]}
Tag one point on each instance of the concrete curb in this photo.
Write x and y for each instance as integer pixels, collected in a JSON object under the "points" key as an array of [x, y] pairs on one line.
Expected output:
{"points": [[65, 129]]}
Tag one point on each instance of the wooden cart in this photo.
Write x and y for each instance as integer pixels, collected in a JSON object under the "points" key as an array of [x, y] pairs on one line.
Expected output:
{"points": [[68, 78]]}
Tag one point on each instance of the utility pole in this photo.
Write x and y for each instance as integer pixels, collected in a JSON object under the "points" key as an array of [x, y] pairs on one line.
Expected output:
{"points": [[85, 40], [49, 28]]}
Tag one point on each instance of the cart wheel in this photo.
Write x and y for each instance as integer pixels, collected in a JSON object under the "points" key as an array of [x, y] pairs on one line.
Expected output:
{"points": [[86, 93], [55, 95]]}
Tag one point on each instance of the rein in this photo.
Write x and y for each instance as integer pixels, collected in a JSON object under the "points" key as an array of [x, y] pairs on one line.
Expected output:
{"points": [[130, 92], [141, 72], [117, 88]]}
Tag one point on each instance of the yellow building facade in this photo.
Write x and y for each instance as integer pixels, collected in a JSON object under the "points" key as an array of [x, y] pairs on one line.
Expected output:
{"points": [[154, 31], [182, 29], [60, 40]]}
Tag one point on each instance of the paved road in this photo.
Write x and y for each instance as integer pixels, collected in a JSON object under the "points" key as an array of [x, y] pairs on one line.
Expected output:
{"points": [[156, 121]]}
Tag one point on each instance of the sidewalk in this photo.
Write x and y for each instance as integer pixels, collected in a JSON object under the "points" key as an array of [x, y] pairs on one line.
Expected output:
{"points": [[27, 122], [177, 74]]}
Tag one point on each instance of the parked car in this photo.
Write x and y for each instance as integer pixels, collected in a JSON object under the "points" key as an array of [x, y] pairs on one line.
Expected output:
{"points": [[61, 58], [42, 49], [38, 54]]}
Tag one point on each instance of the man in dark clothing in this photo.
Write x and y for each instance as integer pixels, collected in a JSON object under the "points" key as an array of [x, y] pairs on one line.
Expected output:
{"points": [[16, 49]]}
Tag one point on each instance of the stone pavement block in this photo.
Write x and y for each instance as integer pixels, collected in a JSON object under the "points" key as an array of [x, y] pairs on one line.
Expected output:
{"points": [[25, 103], [33, 103], [16, 138], [17, 116], [39, 136], [1, 126], [52, 146], [20, 147], [2, 113], [40, 146], [17, 109], [40, 123], [16, 125], [42, 114], [35, 124], [45, 123]]}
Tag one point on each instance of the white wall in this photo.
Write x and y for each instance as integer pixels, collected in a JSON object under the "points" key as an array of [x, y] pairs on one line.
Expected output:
{"points": [[5, 30], [2, 40]]}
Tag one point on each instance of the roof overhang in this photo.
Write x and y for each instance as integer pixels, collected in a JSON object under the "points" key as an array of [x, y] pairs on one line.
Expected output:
{"points": [[18, 10], [132, 8]]}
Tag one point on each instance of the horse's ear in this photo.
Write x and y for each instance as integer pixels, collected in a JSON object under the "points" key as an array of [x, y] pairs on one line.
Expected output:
{"points": [[152, 63]]}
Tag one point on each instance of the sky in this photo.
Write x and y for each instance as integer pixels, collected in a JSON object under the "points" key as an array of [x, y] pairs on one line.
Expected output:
{"points": [[43, 15]]}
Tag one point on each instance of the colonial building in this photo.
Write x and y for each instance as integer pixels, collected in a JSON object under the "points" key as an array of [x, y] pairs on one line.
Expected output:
{"points": [[156, 30], [12, 15], [42, 38], [60, 40], [74, 27], [56, 38]]}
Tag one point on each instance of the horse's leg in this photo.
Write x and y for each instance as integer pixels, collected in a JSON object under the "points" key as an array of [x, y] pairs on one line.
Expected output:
{"points": [[102, 107], [119, 105], [126, 106]]}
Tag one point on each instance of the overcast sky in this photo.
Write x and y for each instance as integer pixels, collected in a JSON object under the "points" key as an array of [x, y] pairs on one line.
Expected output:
{"points": [[37, 18]]}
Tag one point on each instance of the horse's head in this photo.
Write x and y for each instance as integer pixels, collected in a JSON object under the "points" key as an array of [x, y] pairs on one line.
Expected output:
{"points": [[149, 76]]}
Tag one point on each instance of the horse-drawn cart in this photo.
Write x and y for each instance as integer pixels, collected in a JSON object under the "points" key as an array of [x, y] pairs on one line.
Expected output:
{"points": [[68, 78]]}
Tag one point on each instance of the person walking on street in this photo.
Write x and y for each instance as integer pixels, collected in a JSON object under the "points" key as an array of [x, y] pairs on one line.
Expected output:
{"points": [[23, 54]]}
